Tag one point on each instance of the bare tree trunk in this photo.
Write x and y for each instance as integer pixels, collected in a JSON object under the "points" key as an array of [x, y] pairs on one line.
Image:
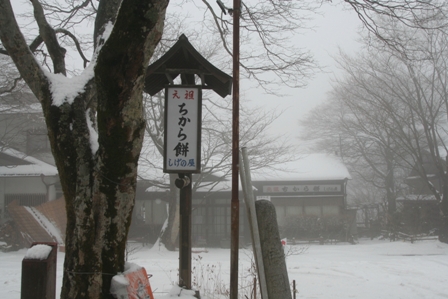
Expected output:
{"points": [[74, 158], [390, 195], [99, 185], [119, 78]]}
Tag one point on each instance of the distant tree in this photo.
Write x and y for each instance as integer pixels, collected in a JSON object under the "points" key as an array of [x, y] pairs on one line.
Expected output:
{"points": [[380, 16], [351, 125], [403, 97], [22, 124], [9, 77]]}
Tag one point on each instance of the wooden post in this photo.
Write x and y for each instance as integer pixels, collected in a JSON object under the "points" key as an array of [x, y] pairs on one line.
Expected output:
{"points": [[185, 203], [294, 288], [255, 288], [39, 275]]}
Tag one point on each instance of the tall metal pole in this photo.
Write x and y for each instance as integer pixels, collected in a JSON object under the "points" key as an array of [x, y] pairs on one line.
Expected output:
{"points": [[235, 208]]}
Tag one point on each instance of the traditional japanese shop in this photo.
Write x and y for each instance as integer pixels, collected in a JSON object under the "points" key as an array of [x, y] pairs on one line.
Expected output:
{"points": [[309, 196]]}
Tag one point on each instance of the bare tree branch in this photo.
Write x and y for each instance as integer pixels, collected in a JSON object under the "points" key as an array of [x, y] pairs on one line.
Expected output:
{"points": [[48, 34], [16, 46]]}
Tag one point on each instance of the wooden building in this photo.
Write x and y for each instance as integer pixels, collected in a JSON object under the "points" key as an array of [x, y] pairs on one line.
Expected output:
{"points": [[309, 196], [26, 180]]}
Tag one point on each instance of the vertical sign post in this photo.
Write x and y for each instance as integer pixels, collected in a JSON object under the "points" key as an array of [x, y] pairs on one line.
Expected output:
{"points": [[182, 155]]}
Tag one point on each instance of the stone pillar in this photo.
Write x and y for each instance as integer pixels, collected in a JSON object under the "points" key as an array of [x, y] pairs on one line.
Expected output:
{"points": [[272, 251]]}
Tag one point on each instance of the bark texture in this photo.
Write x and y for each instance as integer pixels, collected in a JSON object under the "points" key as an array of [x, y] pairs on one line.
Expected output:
{"points": [[99, 187]]}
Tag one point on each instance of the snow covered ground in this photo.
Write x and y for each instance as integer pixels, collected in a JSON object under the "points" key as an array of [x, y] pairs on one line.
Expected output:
{"points": [[368, 270]]}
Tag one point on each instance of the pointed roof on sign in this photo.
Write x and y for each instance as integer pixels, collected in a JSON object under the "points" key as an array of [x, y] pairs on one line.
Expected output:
{"points": [[183, 58]]}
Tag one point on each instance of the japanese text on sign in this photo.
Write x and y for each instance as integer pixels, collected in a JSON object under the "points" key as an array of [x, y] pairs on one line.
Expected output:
{"points": [[182, 129], [301, 188]]}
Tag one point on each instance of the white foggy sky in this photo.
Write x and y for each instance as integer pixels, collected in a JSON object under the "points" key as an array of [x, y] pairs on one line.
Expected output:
{"points": [[336, 28]]}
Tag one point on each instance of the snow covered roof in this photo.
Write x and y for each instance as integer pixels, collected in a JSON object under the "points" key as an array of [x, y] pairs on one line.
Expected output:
{"points": [[31, 108], [312, 167], [307, 168], [183, 57], [204, 187], [15, 163], [417, 197]]}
